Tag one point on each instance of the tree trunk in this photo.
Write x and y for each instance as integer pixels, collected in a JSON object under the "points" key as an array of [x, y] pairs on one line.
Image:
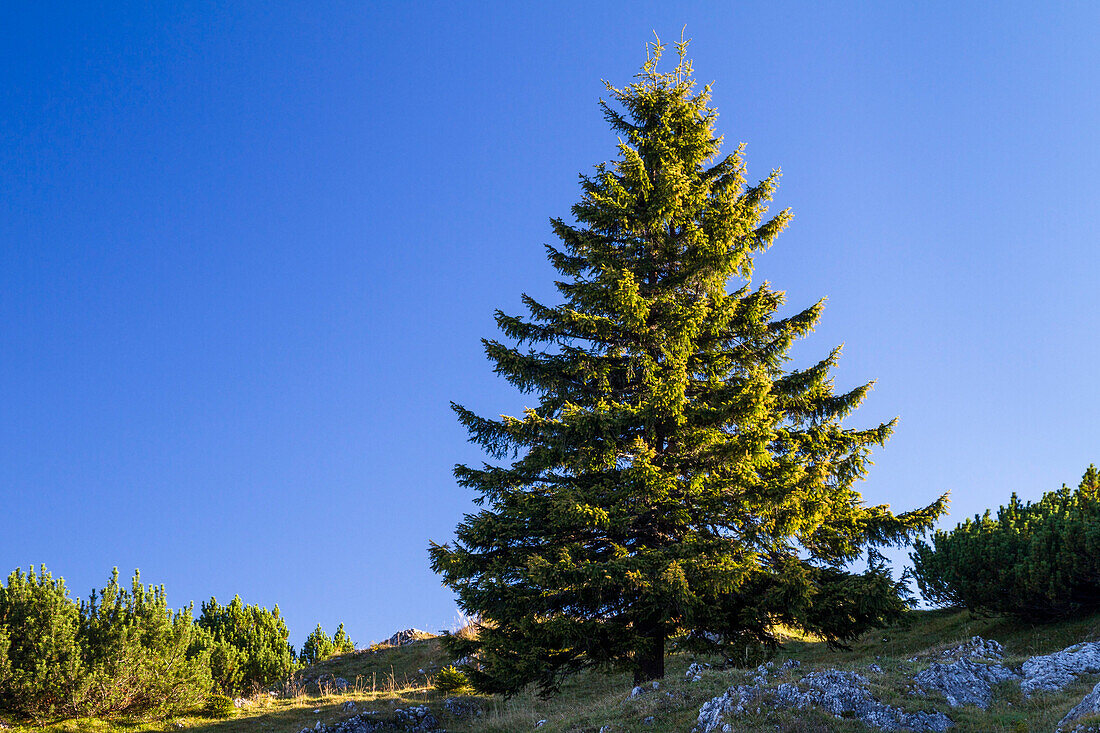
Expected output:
{"points": [[651, 658]]}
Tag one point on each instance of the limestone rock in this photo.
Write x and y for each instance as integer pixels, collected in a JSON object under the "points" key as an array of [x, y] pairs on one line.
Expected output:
{"points": [[841, 694], [695, 671], [975, 648], [416, 718], [463, 707], [964, 681], [1055, 671], [408, 636], [1089, 705]]}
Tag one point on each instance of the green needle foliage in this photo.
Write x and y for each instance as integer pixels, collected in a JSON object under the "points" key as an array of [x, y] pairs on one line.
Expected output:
{"points": [[122, 652], [41, 665], [248, 645], [1036, 561], [674, 479], [319, 646], [138, 652], [451, 681]]}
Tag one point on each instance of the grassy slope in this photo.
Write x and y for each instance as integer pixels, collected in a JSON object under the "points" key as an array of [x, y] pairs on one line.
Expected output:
{"points": [[391, 678]]}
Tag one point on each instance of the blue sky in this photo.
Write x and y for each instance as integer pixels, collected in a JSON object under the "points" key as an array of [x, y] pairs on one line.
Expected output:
{"points": [[248, 250]]}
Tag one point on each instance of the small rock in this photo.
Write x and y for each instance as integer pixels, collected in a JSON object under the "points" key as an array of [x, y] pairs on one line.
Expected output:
{"points": [[348, 706], [695, 671], [636, 692], [874, 668], [540, 723], [656, 685], [648, 721], [461, 707], [975, 647], [1089, 705], [407, 636], [417, 718], [317, 710]]}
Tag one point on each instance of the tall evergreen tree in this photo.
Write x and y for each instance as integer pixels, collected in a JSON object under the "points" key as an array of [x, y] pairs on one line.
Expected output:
{"points": [[674, 480]]}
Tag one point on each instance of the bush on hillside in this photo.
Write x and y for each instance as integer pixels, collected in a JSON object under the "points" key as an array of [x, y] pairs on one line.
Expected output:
{"points": [[138, 653], [1036, 561], [40, 660], [248, 645], [219, 706], [341, 642], [451, 680], [121, 652], [318, 646]]}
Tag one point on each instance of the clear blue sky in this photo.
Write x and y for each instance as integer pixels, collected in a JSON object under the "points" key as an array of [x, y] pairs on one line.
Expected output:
{"points": [[247, 251]]}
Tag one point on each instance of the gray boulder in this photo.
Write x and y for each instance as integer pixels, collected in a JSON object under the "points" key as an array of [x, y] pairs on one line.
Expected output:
{"points": [[1055, 671], [695, 671], [841, 694], [1090, 705], [714, 713], [407, 636], [463, 707], [416, 718], [964, 681], [975, 648]]}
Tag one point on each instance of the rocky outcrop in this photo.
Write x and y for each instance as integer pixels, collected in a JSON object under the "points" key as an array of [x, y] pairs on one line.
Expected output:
{"points": [[1090, 705], [408, 636], [415, 719], [965, 682], [1055, 671], [838, 693], [969, 679], [964, 674], [463, 707]]}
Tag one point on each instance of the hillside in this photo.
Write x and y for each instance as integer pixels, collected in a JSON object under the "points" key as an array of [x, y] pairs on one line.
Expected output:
{"points": [[388, 679]]}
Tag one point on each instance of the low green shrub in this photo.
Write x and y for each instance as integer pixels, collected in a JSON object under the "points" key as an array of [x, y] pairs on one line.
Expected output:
{"points": [[341, 642], [451, 680], [247, 645], [219, 706], [318, 646], [138, 653], [41, 666], [121, 652], [1037, 561]]}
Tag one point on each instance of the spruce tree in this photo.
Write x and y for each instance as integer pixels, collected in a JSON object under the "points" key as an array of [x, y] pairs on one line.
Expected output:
{"points": [[674, 480]]}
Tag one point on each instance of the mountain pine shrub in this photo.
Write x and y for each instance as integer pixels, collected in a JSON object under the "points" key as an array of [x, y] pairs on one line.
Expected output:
{"points": [[318, 646], [451, 680], [219, 706], [121, 652], [341, 642], [1037, 561], [248, 645], [138, 653], [41, 666]]}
